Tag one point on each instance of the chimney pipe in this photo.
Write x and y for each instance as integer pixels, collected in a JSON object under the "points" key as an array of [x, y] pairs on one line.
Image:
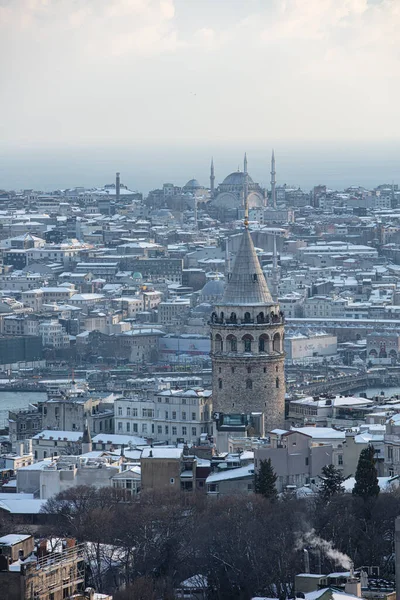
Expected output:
{"points": [[306, 561]]}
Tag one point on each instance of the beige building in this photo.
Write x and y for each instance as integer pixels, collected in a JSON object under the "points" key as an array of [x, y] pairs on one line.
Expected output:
{"points": [[167, 468]]}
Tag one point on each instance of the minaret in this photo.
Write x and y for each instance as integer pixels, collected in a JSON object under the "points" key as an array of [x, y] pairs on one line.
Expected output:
{"points": [[273, 181], [275, 273], [247, 331], [245, 181], [86, 439], [117, 187], [212, 179]]}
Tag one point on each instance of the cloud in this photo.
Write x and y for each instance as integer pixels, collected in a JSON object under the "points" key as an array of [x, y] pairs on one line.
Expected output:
{"points": [[171, 68]]}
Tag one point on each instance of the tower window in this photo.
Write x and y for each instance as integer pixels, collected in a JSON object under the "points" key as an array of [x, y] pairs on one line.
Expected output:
{"points": [[249, 384], [247, 339], [249, 369], [219, 369], [247, 317], [277, 382], [232, 369], [255, 277], [220, 384], [265, 369]]}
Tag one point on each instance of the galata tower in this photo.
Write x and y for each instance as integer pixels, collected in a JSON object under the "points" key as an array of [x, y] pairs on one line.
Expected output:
{"points": [[247, 333]]}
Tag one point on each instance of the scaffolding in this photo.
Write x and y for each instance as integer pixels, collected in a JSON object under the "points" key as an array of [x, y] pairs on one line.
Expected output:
{"points": [[55, 576]]}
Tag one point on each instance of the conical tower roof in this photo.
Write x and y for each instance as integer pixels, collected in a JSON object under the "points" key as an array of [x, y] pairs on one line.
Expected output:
{"points": [[247, 285]]}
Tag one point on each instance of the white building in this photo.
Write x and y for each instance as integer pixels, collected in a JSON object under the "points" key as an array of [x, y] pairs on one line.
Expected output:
{"points": [[170, 415], [53, 334]]}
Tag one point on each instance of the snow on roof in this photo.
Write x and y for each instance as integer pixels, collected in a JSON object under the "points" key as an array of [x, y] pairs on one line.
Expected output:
{"points": [[239, 473], [118, 440], [160, 452], [280, 431], [70, 436], [385, 483], [195, 582], [21, 506], [13, 538], [321, 432]]}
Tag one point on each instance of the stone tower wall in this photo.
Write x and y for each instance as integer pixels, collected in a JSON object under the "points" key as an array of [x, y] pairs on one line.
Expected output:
{"points": [[245, 382]]}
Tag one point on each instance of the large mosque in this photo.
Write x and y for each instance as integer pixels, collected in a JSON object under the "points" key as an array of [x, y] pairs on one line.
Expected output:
{"points": [[237, 189]]}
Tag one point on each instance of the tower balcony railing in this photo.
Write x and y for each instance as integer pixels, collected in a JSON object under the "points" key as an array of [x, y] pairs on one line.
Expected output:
{"points": [[275, 319]]}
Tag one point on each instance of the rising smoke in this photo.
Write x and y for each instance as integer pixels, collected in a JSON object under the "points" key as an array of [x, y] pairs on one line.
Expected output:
{"points": [[312, 540]]}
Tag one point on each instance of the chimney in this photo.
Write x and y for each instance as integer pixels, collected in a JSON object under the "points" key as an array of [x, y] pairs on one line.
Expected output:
{"points": [[306, 561], [117, 187], [353, 585]]}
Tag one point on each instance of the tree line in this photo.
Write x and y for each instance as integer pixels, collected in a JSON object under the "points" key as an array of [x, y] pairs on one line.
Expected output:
{"points": [[244, 545]]}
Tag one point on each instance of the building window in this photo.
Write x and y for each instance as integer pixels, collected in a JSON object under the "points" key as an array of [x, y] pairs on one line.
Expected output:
{"points": [[172, 481], [174, 415], [249, 369], [194, 431], [340, 460], [159, 429], [183, 416], [144, 427], [166, 414], [119, 426], [135, 427], [174, 431], [128, 411], [184, 430], [193, 416], [120, 411], [128, 428], [249, 384], [166, 430]]}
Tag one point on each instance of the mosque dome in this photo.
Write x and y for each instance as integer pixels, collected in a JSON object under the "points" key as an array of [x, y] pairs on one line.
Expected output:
{"points": [[236, 178], [192, 184], [213, 289], [137, 275]]}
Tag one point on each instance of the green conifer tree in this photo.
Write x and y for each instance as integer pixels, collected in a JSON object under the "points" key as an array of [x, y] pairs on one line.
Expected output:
{"points": [[366, 485], [265, 480], [332, 482]]}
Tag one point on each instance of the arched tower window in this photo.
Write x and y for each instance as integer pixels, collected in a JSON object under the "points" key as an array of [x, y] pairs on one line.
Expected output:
{"points": [[276, 344], [260, 317], [222, 316], [233, 318], [249, 384], [263, 343], [249, 369], [247, 317], [231, 343], [247, 339], [219, 345]]}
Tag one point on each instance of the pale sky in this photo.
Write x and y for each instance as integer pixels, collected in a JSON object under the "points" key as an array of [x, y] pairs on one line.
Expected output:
{"points": [[88, 72]]}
